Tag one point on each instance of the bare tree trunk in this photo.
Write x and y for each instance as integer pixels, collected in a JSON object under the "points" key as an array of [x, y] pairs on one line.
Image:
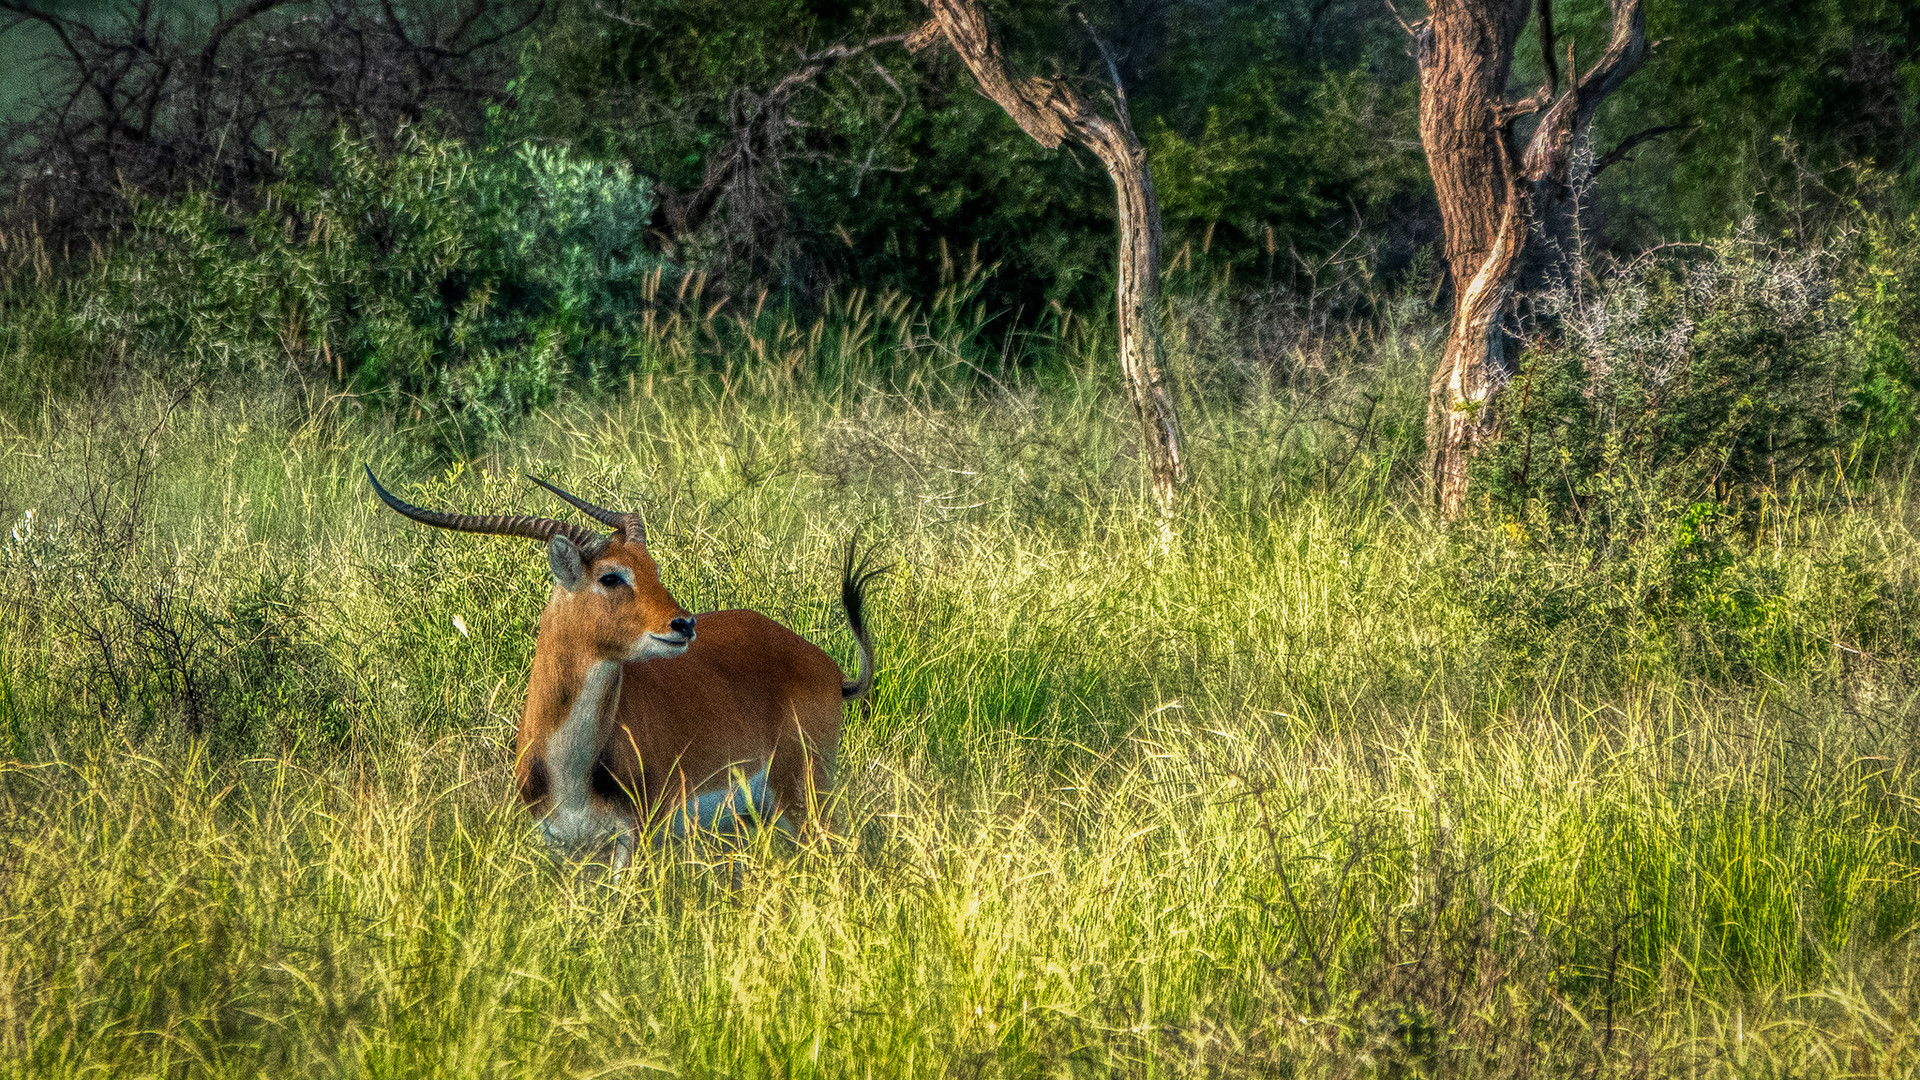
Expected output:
{"points": [[1491, 194], [1476, 363], [1465, 52], [1050, 110]]}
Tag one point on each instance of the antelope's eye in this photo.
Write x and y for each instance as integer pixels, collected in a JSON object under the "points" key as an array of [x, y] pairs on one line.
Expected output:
{"points": [[612, 580]]}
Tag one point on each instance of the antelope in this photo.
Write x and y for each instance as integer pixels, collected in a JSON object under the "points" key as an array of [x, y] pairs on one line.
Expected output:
{"points": [[630, 713]]}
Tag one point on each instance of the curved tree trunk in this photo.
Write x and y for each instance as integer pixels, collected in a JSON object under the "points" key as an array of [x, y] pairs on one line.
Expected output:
{"points": [[1491, 194], [1137, 307], [1050, 110], [1465, 52], [1477, 363]]}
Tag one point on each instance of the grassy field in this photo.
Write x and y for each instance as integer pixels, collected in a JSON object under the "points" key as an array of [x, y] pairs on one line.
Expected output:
{"points": [[1319, 789]]}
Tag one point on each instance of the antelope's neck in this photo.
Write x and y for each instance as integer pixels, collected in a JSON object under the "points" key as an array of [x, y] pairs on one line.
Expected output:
{"points": [[576, 706]]}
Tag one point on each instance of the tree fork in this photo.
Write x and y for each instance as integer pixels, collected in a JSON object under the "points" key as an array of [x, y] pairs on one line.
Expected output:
{"points": [[1492, 195]]}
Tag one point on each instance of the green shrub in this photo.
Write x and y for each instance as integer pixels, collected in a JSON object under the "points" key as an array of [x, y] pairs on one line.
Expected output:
{"points": [[1707, 381], [464, 283], [1656, 453], [1882, 298], [153, 641]]}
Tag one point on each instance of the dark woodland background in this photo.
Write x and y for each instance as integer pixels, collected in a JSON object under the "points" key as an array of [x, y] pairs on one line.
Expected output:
{"points": [[731, 141]]}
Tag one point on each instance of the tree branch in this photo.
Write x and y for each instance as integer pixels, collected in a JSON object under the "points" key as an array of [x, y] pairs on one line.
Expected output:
{"points": [[1626, 51], [1030, 102], [533, 16], [1628, 144], [138, 104], [758, 122], [1411, 30], [1507, 113], [1113, 71], [1050, 111], [241, 16], [1572, 114]]}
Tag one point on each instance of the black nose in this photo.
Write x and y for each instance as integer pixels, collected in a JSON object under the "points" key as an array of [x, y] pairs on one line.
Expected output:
{"points": [[683, 625]]}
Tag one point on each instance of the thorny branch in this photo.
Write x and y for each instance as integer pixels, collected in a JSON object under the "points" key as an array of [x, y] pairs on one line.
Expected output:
{"points": [[1627, 145]]}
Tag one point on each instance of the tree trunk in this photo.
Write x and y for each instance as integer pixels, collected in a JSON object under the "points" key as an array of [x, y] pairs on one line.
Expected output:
{"points": [[1137, 308], [1049, 110], [1476, 364], [1489, 194], [1465, 52]]}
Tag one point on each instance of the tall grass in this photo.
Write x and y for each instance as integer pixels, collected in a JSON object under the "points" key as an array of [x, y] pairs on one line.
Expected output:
{"points": [[1282, 799]]}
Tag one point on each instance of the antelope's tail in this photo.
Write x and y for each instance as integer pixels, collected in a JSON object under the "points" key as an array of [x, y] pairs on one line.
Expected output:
{"points": [[854, 579]]}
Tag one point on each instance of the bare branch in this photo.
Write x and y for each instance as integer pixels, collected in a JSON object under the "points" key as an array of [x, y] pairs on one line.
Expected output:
{"points": [[1028, 101], [1113, 70], [1507, 113], [241, 16], [533, 16], [1404, 25], [1549, 150], [619, 18], [927, 33], [1629, 144], [1626, 51], [394, 24], [56, 23], [759, 122], [139, 104]]}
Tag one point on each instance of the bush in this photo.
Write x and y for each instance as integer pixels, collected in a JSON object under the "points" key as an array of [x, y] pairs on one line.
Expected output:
{"points": [[163, 646], [464, 283], [1704, 382], [1882, 298], [1682, 412]]}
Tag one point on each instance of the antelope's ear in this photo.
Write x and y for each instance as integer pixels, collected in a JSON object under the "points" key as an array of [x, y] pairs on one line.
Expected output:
{"points": [[564, 557]]}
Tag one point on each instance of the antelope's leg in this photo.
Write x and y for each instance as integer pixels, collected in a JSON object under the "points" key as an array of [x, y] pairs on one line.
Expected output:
{"points": [[623, 842], [798, 779], [731, 808]]}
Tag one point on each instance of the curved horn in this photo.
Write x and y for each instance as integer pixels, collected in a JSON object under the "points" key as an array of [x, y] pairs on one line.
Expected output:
{"points": [[629, 523], [533, 528]]}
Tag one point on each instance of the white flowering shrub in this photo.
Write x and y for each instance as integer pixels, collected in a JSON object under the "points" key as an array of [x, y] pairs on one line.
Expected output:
{"points": [[1700, 380]]}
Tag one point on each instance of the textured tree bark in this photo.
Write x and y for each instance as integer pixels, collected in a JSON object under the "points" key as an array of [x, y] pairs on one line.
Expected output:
{"points": [[1050, 111], [1492, 195], [1465, 53]]}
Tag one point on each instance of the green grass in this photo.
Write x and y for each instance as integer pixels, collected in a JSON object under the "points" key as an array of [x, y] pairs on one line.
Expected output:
{"points": [[1285, 798]]}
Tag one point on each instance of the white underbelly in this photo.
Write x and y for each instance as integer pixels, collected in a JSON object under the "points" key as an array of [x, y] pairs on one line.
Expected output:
{"points": [[731, 807]]}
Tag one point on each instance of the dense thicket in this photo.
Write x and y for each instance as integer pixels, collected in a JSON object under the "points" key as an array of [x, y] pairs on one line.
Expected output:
{"points": [[1278, 132], [458, 208], [158, 99]]}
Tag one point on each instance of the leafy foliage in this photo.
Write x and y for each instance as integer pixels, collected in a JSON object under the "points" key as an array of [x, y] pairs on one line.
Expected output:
{"points": [[1709, 380], [1780, 107], [471, 282], [1277, 132], [1882, 296], [1682, 414], [1264, 121]]}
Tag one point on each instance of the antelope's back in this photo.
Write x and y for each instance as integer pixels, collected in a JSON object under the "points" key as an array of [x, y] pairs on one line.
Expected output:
{"points": [[741, 684]]}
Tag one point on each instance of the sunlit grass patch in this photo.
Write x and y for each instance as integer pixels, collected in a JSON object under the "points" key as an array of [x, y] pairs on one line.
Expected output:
{"points": [[1278, 798]]}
